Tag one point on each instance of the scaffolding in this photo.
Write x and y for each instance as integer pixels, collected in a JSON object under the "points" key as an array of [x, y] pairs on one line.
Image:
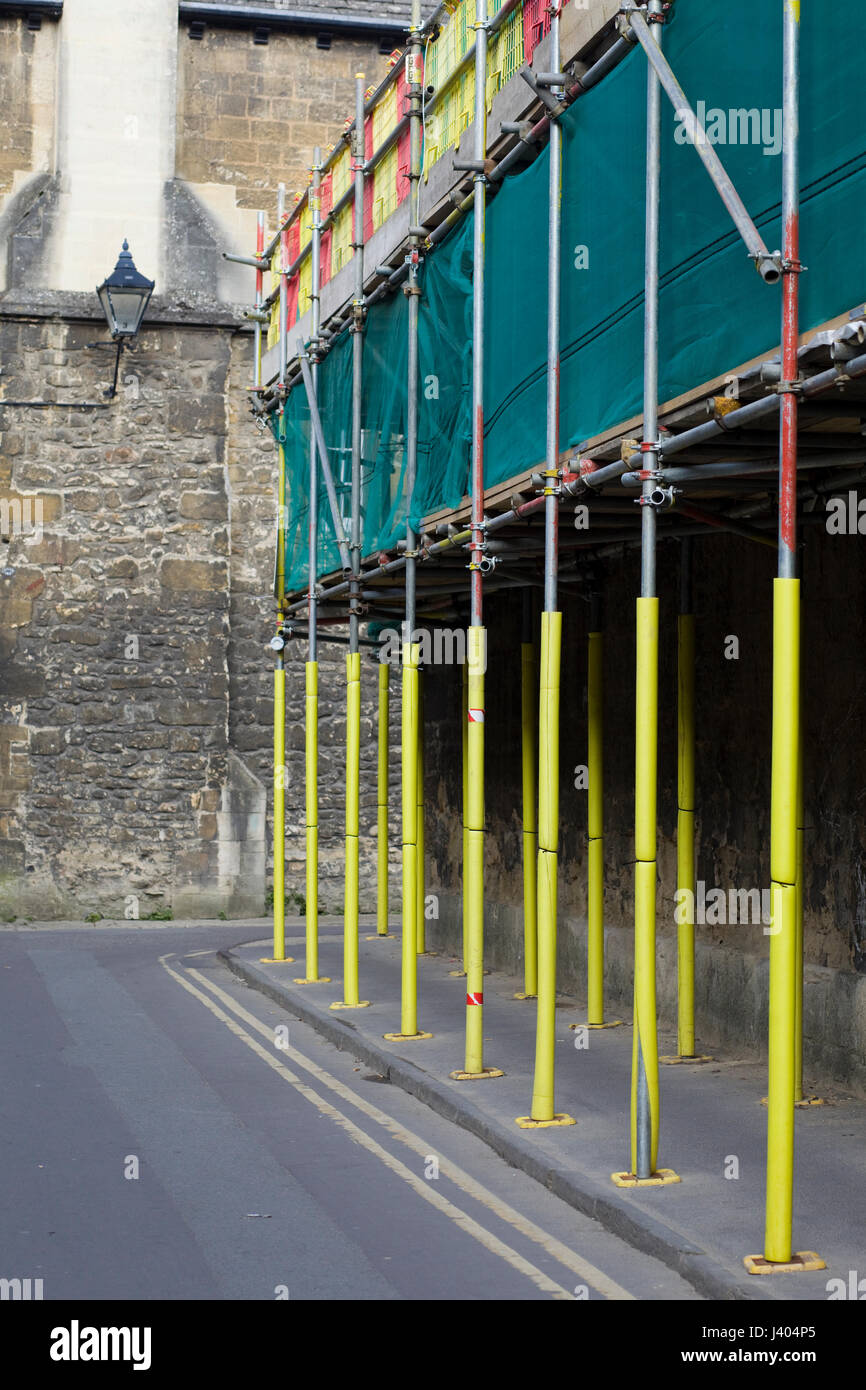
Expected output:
{"points": [[423, 492]]}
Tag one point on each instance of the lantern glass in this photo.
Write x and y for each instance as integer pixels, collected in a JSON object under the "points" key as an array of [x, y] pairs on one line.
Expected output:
{"points": [[124, 296]]}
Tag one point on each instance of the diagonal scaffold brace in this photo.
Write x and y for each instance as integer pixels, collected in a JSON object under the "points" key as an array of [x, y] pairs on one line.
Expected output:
{"points": [[768, 263]]}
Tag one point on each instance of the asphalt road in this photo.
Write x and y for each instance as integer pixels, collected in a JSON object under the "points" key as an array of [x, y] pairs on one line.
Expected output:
{"points": [[169, 1133]]}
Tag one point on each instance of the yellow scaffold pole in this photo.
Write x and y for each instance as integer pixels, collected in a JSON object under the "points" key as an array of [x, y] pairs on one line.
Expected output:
{"points": [[279, 806], [311, 734], [783, 932], [645, 1063], [464, 796], [645, 1075], [686, 833], [419, 841], [473, 868], [779, 1256], [350, 998], [543, 1109], [528, 715], [409, 1030], [382, 801], [595, 821], [686, 813], [799, 1099]]}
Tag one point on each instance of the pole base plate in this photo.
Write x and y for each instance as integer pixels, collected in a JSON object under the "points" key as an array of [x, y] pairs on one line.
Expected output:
{"points": [[382, 936], [319, 980], [475, 1075], [457, 974], [276, 960], [662, 1177], [521, 995], [799, 1263], [361, 1004], [405, 1037], [614, 1023], [681, 1061], [527, 1122]]}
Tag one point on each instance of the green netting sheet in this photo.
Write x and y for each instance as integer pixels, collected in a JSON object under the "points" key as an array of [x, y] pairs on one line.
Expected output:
{"points": [[715, 311]]}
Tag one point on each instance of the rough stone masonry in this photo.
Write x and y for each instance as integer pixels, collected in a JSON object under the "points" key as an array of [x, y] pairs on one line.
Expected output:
{"points": [[137, 535]]}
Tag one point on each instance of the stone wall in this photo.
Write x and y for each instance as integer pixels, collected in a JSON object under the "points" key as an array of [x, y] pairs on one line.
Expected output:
{"points": [[136, 715], [16, 52], [250, 115], [117, 778]]}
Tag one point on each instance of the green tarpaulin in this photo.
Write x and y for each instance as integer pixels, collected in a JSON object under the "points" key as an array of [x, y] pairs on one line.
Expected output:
{"points": [[715, 311]]}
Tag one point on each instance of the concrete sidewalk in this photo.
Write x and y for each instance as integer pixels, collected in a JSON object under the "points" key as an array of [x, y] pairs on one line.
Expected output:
{"points": [[712, 1120]]}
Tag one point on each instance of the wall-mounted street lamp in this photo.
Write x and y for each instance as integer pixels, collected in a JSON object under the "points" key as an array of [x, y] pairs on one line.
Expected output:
{"points": [[124, 296]]}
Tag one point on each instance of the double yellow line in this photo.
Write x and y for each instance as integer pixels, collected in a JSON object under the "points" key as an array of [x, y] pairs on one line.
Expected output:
{"points": [[232, 1015]]}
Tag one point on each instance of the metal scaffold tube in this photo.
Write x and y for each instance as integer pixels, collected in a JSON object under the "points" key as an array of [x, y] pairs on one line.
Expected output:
{"points": [[279, 781], [311, 698], [476, 644], [409, 711], [786, 737], [528, 717], [257, 321], [318, 444], [311, 668], [645, 1074], [543, 1107], [351, 906], [766, 263], [415, 83]]}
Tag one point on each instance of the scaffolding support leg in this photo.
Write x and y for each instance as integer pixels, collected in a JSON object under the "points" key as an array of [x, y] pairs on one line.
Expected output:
{"points": [[350, 998], [474, 869], [419, 838], [464, 720], [645, 1072], [645, 1064], [543, 1109], [785, 788], [595, 832], [528, 715], [409, 804], [279, 810], [409, 1013], [783, 937], [382, 803], [686, 835], [798, 998], [311, 736]]}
